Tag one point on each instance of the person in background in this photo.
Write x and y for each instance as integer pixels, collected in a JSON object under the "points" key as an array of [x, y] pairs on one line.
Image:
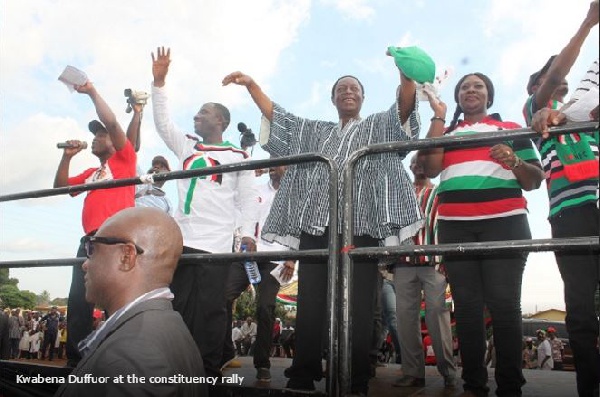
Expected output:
{"points": [[117, 160], [481, 199], [529, 354], [129, 266], [558, 349], [14, 333], [50, 332], [544, 351], [151, 194], [418, 277], [249, 331]]}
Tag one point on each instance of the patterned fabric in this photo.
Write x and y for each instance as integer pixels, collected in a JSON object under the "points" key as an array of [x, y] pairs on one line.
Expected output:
{"points": [[564, 192], [428, 201], [384, 200], [473, 186]]}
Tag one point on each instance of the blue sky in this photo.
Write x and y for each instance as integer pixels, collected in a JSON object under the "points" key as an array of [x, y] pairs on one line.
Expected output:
{"points": [[295, 49]]}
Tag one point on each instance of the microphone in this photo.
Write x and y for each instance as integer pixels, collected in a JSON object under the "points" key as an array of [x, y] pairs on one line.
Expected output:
{"points": [[243, 128], [67, 145]]}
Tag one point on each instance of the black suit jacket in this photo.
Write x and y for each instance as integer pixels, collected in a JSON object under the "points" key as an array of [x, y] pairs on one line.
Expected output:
{"points": [[150, 340]]}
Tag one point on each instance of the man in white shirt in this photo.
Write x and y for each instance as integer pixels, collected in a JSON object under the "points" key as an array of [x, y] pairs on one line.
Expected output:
{"points": [[205, 214]]}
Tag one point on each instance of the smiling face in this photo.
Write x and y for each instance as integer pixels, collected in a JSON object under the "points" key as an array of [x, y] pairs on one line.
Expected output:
{"points": [[208, 122], [347, 97], [473, 95]]}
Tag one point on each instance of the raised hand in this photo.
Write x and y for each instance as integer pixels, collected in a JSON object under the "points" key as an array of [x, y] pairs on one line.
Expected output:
{"points": [[238, 78], [87, 88], [160, 65]]}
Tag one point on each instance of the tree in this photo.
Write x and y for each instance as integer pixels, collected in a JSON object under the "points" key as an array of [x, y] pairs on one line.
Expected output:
{"points": [[43, 299], [5, 279], [245, 306], [11, 296]]}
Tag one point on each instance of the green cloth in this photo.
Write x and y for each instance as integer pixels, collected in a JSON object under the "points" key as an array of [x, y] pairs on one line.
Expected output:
{"points": [[578, 160], [415, 63]]}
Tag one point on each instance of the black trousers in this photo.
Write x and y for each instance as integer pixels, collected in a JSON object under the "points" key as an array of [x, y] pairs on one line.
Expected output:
{"points": [[311, 317], [80, 321], [581, 274], [267, 289], [494, 282], [199, 290]]}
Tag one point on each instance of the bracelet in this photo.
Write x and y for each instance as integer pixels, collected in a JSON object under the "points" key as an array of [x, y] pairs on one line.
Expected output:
{"points": [[517, 163], [434, 118]]}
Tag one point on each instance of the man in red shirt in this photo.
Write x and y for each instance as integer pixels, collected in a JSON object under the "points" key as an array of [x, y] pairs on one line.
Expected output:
{"points": [[117, 161]]}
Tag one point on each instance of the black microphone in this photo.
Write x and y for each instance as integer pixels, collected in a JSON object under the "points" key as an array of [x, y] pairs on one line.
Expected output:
{"points": [[67, 145], [243, 128]]}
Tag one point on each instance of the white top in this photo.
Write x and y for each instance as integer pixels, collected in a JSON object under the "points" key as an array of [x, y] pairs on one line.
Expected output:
{"points": [[544, 350], [206, 205]]}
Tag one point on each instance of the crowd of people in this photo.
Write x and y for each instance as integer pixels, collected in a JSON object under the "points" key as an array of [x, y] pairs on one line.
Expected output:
{"points": [[184, 310]]}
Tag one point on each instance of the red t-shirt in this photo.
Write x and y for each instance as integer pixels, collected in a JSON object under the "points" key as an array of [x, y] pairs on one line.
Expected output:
{"points": [[103, 203]]}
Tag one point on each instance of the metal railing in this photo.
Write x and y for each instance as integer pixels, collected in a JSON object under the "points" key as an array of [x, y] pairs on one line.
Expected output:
{"points": [[339, 363]]}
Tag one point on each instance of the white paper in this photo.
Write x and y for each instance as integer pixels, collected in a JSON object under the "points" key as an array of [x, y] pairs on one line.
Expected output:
{"points": [[277, 274], [580, 110], [72, 76]]}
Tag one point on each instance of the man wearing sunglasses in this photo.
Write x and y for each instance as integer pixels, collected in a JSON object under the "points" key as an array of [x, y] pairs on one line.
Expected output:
{"points": [[117, 161], [131, 261]]}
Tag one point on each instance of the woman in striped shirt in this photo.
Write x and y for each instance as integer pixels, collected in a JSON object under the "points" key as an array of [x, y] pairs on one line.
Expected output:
{"points": [[481, 199]]}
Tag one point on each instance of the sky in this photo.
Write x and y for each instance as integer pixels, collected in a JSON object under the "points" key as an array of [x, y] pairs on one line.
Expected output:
{"points": [[294, 49]]}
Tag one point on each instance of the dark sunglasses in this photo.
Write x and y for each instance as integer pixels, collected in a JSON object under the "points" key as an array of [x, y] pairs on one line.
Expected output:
{"points": [[89, 241]]}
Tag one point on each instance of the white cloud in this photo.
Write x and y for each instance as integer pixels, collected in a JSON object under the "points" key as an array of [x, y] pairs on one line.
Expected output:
{"points": [[353, 9], [112, 41]]}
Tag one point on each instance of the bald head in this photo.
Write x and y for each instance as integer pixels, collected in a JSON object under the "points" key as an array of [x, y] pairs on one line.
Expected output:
{"points": [[157, 234], [134, 252]]}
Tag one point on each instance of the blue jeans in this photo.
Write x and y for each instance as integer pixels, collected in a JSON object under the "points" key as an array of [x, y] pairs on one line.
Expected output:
{"points": [[494, 282], [581, 274], [390, 320]]}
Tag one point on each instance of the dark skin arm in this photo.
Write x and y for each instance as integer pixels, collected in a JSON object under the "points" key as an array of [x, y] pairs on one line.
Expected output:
{"points": [[105, 114], [62, 173], [431, 159], [135, 125], [563, 63], [261, 99]]}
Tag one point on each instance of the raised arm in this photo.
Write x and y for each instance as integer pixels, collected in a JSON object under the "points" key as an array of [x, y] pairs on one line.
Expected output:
{"points": [[432, 159], [165, 127], [62, 173], [564, 61], [135, 125], [261, 100], [406, 97], [105, 114]]}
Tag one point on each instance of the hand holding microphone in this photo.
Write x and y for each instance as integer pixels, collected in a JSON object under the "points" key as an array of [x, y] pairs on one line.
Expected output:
{"points": [[71, 145]]}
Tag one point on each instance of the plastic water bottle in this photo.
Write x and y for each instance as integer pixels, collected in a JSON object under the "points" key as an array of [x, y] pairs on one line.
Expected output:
{"points": [[251, 269]]}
